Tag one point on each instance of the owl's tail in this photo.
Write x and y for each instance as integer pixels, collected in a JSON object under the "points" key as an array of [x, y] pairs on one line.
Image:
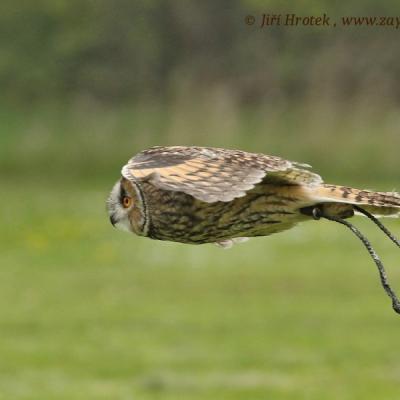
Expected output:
{"points": [[379, 204]]}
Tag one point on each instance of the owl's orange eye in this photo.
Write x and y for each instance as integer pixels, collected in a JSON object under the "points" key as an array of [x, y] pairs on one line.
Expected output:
{"points": [[127, 201]]}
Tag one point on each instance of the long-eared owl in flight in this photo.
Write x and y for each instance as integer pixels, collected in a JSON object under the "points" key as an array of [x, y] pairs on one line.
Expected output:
{"points": [[209, 195], [201, 195]]}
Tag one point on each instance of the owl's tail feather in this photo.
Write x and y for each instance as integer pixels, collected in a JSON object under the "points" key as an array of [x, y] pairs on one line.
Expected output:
{"points": [[379, 204]]}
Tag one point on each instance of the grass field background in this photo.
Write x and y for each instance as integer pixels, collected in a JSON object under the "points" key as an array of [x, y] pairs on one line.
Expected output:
{"points": [[88, 312]]}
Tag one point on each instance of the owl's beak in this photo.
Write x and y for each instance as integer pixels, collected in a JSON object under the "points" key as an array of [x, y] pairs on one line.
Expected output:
{"points": [[113, 220]]}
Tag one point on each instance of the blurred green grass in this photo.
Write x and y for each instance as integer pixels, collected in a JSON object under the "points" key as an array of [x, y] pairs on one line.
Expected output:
{"points": [[87, 142], [88, 312]]}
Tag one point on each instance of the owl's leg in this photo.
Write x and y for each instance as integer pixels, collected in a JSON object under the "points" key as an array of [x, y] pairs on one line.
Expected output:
{"points": [[317, 214], [312, 211]]}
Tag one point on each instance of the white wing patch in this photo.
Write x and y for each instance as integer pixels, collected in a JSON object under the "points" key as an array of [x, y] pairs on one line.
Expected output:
{"points": [[227, 244]]}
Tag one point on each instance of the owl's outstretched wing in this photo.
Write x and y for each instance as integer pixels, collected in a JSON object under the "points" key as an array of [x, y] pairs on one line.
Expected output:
{"points": [[211, 174]]}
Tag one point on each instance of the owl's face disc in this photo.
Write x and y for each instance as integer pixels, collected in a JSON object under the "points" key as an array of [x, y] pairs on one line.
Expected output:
{"points": [[125, 207]]}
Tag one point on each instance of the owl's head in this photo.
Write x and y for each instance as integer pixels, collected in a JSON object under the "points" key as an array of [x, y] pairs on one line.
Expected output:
{"points": [[126, 207]]}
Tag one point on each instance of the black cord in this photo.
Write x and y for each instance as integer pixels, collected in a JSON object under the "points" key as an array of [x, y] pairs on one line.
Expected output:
{"points": [[371, 251], [379, 224]]}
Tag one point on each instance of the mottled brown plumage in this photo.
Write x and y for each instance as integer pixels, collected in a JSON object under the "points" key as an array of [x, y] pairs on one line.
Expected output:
{"points": [[201, 195]]}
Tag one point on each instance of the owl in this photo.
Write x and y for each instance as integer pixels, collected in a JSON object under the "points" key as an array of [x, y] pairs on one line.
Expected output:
{"points": [[199, 195]]}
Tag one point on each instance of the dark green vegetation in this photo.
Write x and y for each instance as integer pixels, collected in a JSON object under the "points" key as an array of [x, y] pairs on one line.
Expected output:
{"points": [[140, 50]]}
